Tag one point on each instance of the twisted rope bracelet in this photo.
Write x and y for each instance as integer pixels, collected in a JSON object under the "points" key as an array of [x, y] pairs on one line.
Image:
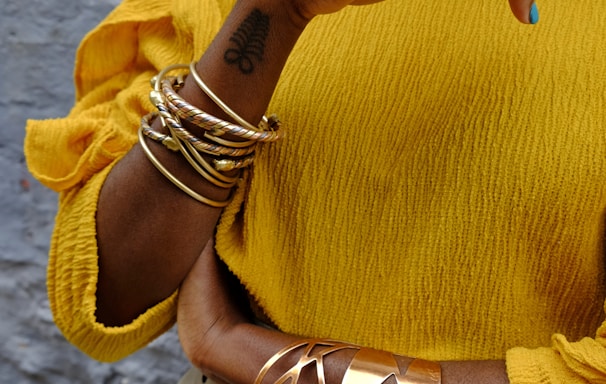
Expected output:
{"points": [[222, 165], [208, 122], [171, 108], [171, 121], [213, 149], [198, 163], [199, 167], [225, 165], [172, 178], [158, 137]]}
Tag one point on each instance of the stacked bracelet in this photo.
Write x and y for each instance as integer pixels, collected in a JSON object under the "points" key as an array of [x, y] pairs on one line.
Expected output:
{"points": [[173, 123], [210, 155], [207, 122], [368, 366], [193, 157], [202, 85], [193, 194]]}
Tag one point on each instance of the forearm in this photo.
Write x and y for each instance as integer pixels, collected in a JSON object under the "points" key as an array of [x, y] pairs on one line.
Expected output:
{"points": [[149, 232], [244, 350], [240, 356], [218, 338]]}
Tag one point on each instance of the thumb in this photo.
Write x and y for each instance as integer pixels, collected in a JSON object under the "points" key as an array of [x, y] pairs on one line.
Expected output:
{"points": [[525, 11]]}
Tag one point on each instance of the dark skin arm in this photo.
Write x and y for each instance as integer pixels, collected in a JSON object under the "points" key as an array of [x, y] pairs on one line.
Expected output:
{"points": [[149, 232], [138, 207], [219, 338], [144, 256]]}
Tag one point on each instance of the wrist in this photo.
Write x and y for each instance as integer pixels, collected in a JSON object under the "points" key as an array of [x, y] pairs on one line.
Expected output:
{"points": [[245, 81], [243, 345], [486, 371]]}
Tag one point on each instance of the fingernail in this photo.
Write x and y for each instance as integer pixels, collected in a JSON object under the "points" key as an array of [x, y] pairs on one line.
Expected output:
{"points": [[533, 17]]}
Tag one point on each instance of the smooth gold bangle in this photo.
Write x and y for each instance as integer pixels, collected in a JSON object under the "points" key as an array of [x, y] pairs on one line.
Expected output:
{"points": [[292, 375], [225, 164], [368, 366], [423, 372], [174, 145], [269, 129], [197, 166], [229, 143], [193, 194], [202, 85]]}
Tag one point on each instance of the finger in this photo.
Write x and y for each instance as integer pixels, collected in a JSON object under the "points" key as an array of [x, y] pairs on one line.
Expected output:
{"points": [[525, 11]]}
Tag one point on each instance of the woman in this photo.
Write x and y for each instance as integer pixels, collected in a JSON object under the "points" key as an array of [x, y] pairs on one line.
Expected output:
{"points": [[439, 193]]}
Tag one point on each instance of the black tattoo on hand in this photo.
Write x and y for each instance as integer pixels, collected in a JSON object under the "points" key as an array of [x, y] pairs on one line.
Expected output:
{"points": [[249, 42]]}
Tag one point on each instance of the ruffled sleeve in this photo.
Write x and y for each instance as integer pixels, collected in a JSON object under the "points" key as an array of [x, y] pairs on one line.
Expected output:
{"points": [[565, 362], [73, 155]]}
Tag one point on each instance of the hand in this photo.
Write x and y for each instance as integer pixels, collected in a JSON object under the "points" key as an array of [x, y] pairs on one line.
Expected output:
{"points": [[310, 8], [210, 304]]}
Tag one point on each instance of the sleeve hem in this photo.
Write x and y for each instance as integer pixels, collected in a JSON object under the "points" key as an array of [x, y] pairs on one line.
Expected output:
{"points": [[72, 281], [539, 366]]}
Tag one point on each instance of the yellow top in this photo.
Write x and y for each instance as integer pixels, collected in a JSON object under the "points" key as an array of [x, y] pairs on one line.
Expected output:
{"points": [[441, 191]]}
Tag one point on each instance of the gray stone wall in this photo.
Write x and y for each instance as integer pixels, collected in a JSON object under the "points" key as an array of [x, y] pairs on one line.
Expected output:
{"points": [[37, 45]]}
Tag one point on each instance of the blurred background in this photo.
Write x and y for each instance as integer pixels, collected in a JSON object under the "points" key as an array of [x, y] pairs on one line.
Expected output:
{"points": [[37, 46]]}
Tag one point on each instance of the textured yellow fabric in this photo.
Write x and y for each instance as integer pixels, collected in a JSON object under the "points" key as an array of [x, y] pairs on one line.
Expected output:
{"points": [[441, 192], [73, 155]]}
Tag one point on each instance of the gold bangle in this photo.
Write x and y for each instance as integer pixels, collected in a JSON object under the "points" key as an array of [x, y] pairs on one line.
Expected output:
{"points": [[211, 148], [175, 145], [268, 130], [193, 194], [195, 165], [148, 131], [160, 101], [208, 122], [229, 143], [202, 85], [214, 170], [423, 372], [371, 366], [306, 359], [225, 165], [368, 366]]}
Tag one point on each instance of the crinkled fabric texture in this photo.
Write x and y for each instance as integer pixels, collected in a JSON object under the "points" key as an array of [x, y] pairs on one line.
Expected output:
{"points": [[441, 191], [73, 155]]}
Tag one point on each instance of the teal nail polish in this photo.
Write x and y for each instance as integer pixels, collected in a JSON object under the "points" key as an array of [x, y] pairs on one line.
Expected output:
{"points": [[533, 17]]}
